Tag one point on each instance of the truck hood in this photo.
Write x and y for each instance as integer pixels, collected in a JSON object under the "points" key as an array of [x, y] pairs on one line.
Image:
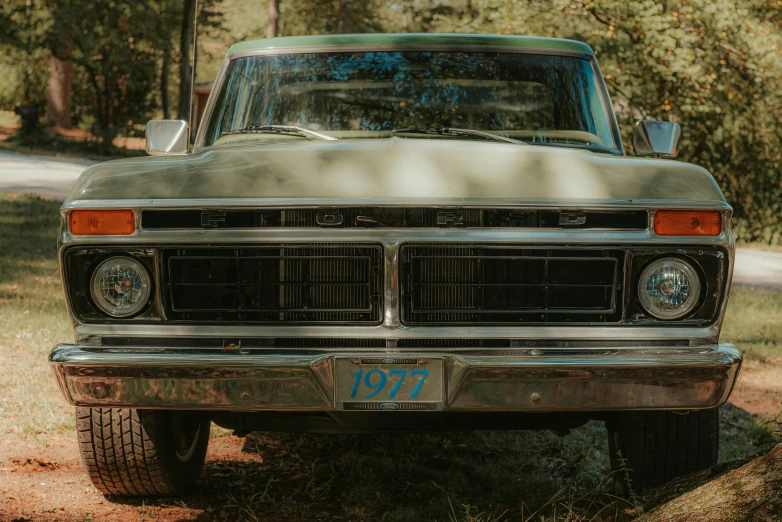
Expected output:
{"points": [[397, 171]]}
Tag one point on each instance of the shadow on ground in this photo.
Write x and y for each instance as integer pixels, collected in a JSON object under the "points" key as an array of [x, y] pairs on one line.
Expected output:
{"points": [[478, 476]]}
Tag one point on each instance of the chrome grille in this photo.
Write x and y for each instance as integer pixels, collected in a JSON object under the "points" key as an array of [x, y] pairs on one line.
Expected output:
{"points": [[491, 284], [275, 284]]}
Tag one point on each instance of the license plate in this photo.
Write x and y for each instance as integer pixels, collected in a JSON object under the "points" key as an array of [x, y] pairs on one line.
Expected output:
{"points": [[389, 384]]}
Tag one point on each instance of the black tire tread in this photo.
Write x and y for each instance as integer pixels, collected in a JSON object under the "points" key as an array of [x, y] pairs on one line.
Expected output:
{"points": [[121, 448], [658, 446]]}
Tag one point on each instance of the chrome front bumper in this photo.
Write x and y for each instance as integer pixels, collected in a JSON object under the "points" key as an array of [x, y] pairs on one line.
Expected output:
{"points": [[526, 381]]}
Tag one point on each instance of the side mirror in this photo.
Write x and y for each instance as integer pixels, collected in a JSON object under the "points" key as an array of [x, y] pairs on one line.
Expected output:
{"points": [[656, 138], [167, 137]]}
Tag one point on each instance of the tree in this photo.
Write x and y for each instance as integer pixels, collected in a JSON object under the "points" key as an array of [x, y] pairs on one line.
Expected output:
{"points": [[24, 55], [751, 492], [332, 16], [712, 65], [201, 15], [116, 56]]}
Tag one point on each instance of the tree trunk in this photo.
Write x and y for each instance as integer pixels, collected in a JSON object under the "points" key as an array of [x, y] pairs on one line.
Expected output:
{"points": [[273, 29], [185, 70], [345, 20], [165, 70], [58, 105], [108, 131], [751, 492]]}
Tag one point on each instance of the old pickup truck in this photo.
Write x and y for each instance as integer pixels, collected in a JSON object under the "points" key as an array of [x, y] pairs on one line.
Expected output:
{"points": [[396, 232]]}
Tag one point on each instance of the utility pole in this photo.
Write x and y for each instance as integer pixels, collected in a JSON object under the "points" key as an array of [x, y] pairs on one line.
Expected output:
{"points": [[273, 29], [185, 69]]}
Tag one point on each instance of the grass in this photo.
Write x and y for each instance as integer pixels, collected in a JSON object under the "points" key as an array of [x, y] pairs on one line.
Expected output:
{"points": [[754, 323], [32, 318], [483, 476]]}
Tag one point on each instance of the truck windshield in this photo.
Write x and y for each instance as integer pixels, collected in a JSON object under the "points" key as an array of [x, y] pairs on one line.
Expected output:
{"points": [[538, 99]]}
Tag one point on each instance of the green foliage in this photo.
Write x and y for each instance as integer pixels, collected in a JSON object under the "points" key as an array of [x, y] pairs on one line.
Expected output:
{"points": [[117, 50], [117, 63], [330, 16], [24, 59], [715, 66], [23, 85]]}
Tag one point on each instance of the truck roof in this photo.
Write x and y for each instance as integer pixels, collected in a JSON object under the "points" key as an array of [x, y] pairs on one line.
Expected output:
{"points": [[357, 41]]}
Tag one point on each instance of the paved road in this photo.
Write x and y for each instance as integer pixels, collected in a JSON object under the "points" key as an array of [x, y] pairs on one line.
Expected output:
{"points": [[758, 268], [53, 178], [42, 175]]}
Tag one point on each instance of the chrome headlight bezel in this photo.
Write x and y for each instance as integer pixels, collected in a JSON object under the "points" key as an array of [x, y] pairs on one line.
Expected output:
{"points": [[145, 290], [688, 307]]}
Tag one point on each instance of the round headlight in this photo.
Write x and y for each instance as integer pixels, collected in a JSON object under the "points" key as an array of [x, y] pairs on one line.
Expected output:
{"points": [[120, 286], [669, 288]]}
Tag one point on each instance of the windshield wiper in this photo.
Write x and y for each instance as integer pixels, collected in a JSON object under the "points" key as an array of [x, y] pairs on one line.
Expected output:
{"points": [[451, 131], [289, 130]]}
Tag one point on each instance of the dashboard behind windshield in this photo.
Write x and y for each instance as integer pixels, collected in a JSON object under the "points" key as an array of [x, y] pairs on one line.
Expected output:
{"points": [[535, 98]]}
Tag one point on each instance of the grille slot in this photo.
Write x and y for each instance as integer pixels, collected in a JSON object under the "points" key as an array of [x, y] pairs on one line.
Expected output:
{"points": [[482, 284], [275, 284]]}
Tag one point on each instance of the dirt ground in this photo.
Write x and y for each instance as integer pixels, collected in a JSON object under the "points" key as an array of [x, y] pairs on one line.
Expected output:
{"points": [[48, 483], [81, 135], [759, 389]]}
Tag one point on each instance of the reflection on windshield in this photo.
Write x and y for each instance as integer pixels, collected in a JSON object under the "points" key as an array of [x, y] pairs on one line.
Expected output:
{"points": [[535, 98]]}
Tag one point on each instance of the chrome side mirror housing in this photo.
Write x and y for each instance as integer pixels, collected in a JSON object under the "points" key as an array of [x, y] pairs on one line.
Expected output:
{"points": [[167, 137], [659, 139]]}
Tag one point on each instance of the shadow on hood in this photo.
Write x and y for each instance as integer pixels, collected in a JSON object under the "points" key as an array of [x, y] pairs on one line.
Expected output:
{"points": [[397, 169]]}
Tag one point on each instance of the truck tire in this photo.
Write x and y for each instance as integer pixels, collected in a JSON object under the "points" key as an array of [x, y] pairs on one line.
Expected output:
{"points": [[651, 448], [142, 453]]}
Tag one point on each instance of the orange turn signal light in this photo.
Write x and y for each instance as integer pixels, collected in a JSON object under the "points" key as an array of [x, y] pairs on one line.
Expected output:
{"points": [[102, 222], [687, 223]]}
